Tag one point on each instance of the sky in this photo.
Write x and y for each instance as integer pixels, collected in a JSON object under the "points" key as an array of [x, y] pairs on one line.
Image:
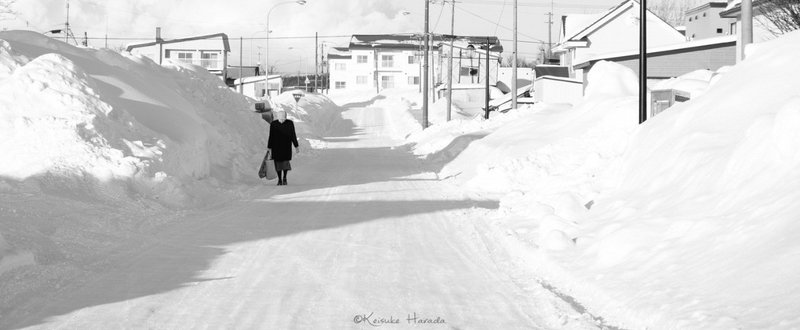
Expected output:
{"points": [[293, 26]]}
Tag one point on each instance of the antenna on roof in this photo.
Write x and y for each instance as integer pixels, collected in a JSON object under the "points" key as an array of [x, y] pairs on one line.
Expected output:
{"points": [[67, 30]]}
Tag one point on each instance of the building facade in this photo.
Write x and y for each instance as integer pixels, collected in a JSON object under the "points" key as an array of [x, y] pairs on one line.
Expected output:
{"points": [[379, 62], [704, 21], [208, 51], [584, 37]]}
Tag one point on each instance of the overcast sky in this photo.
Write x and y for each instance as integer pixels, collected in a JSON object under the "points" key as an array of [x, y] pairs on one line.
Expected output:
{"points": [[291, 22]]}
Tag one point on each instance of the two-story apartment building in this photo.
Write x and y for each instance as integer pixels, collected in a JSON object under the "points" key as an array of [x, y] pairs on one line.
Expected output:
{"points": [[704, 21], [208, 51], [378, 62]]}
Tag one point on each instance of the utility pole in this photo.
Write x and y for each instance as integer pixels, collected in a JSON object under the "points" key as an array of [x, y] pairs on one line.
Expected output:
{"points": [[549, 34], [450, 61], [241, 79], [316, 60], [425, 68], [85, 39], [514, 63], [747, 27], [642, 61], [488, 46], [66, 25]]}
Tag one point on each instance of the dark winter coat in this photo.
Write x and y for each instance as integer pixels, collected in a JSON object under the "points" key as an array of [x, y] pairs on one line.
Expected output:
{"points": [[281, 139]]}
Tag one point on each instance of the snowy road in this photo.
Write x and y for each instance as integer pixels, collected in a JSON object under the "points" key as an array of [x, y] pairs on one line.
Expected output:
{"points": [[362, 230]]}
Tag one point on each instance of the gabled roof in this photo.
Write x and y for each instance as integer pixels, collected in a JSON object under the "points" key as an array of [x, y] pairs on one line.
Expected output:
{"points": [[209, 36], [574, 33]]}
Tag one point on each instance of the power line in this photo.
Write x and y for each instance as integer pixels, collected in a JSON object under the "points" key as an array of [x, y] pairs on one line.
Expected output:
{"points": [[500, 17], [243, 38], [502, 26], [540, 5]]}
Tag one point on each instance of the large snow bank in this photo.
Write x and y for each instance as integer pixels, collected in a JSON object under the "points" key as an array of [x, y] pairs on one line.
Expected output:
{"points": [[94, 122], [687, 221], [701, 229], [553, 149]]}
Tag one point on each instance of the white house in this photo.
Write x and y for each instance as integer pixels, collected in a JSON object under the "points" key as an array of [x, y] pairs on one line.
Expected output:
{"points": [[584, 37], [469, 59], [254, 86], [704, 21], [208, 51], [378, 62]]}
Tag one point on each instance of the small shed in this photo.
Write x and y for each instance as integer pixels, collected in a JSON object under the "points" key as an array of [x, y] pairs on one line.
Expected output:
{"points": [[254, 86], [551, 89], [663, 99]]}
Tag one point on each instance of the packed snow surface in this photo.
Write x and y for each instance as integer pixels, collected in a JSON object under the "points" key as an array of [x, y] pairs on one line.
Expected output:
{"points": [[363, 234]]}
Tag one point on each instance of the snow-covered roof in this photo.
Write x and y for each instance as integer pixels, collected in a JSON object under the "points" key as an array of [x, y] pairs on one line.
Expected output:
{"points": [[338, 53], [720, 41], [572, 24], [734, 8], [224, 37], [250, 80], [578, 29], [413, 41]]}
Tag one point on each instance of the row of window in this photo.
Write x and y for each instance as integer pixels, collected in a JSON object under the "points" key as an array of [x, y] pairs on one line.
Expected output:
{"points": [[387, 61], [696, 17], [208, 60], [386, 82]]}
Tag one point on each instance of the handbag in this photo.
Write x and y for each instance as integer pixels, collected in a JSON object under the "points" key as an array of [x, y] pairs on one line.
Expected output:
{"points": [[267, 170]]}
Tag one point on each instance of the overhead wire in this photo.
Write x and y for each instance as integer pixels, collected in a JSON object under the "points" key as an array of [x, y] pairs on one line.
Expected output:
{"points": [[502, 11], [503, 26]]}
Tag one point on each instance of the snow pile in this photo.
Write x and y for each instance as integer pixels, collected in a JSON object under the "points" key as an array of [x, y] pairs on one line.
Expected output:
{"points": [[701, 228], [554, 149], [94, 122], [313, 114], [687, 221], [695, 83]]}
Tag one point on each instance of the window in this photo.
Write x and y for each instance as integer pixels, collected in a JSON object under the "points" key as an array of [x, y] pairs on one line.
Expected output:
{"points": [[704, 14], [182, 56], [340, 66], [690, 19], [387, 82], [719, 31], [361, 59], [413, 80], [210, 60], [341, 85], [387, 61], [412, 59], [361, 80]]}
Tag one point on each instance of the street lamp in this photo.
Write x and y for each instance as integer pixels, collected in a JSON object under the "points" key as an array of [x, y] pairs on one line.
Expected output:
{"points": [[266, 50]]}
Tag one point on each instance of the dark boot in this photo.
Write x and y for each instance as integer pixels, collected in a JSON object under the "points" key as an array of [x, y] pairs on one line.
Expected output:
{"points": [[280, 182]]}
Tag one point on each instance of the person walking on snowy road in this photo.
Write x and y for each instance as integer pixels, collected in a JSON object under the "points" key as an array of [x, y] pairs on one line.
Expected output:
{"points": [[281, 138]]}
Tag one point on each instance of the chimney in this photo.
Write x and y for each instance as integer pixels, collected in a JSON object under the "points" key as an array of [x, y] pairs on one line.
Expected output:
{"points": [[158, 34]]}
